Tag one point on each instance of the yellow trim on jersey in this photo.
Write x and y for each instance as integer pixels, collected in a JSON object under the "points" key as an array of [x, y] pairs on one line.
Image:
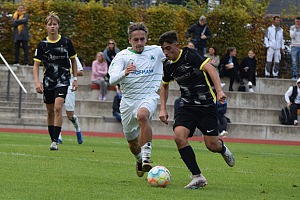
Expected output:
{"points": [[207, 81], [53, 41], [73, 56], [37, 60], [177, 57], [165, 83]]}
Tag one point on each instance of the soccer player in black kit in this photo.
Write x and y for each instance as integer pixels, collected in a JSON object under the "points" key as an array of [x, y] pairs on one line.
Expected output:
{"points": [[55, 53], [197, 80]]}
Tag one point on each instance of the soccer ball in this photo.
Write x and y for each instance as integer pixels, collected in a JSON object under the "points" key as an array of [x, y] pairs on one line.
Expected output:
{"points": [[159, 176]]}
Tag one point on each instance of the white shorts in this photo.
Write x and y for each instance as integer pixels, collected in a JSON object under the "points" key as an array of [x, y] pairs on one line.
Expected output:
{"points": [[70, 100], [129, 116]]}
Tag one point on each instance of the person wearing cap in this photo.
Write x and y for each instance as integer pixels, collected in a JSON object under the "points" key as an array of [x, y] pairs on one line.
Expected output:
{"points": [[292, 97], [201, 33]]}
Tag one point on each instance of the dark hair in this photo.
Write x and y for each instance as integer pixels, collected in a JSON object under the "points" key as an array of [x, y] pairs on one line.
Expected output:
{"points": [[214, 48], [276, 17], [230, 49], [168, 37], [298, 18], [136, 27]]}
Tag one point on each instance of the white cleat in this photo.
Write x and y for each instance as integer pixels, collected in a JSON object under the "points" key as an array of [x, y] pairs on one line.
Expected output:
{"points": [[228, 157], [54, 146], [198, 181]]}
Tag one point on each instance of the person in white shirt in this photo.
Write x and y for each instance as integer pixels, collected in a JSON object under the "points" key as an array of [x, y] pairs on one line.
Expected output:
{"points": [[70, 105], [274, 43], [138, 69], [292, 98], [295, 46]]}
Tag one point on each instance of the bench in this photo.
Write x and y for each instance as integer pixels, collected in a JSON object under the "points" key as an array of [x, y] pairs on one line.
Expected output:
{"points": [[94, 86]]}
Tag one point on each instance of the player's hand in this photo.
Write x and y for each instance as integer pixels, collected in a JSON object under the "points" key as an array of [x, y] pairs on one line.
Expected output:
{"points": [[130, 68], [163, 116], [39, 88], [75, 86], [221, 97]]}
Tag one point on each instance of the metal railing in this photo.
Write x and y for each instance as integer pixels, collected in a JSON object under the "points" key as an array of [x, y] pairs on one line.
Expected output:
{"points": [[22, 88]]}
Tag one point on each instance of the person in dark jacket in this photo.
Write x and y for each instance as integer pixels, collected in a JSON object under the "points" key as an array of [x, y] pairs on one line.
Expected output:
{"points": [[229, 66], [21, 34], [201, 34], [116, 104], [248, 69]]}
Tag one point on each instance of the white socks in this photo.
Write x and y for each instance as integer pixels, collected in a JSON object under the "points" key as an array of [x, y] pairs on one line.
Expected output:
{"points": [[146, 152]]}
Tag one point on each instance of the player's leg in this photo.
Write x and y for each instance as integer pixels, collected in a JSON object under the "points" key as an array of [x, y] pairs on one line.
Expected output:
{"points": [[136, 151], [70, 108], [48, 97]]}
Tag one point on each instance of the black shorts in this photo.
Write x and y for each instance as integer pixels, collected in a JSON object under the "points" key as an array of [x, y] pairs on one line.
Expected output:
{"points": [[51, 95], [204, 118]]}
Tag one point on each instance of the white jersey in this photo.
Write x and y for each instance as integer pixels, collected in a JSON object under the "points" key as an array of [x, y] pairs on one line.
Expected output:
{"points": [[143, 83]]}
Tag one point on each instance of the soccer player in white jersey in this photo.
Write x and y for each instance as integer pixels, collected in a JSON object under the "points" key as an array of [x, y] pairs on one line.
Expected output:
{"points": [[138, 70], [70, 105]]}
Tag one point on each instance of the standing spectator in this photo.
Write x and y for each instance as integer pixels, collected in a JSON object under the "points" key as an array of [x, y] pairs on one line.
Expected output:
{"points": [[198, 107], [21, 34], [274, 43], [229, 66], [295, 46], [214, 58], [292, 98], [70, 105], [116, 104], [138, 69], [201, 34], [248, 69], [99, 71], [55, 52], [110, 51]]}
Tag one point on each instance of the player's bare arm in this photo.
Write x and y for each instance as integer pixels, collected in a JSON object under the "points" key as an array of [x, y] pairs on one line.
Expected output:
{"points": [[216, 80], [163, 114], [38, 86]]}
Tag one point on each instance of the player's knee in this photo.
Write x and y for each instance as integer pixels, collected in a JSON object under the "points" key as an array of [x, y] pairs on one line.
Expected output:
{"points": [[213, 146]]}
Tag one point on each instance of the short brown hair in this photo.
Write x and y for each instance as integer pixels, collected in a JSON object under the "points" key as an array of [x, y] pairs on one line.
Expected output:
{"points": [[136, 27], [52, 15], [168, 37]]}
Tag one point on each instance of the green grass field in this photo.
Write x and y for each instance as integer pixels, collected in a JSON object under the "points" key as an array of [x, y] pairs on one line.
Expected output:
{"points": [[103, 168]]}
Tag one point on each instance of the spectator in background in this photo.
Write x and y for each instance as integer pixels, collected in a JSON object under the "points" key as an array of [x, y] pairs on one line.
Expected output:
{"points": [[21, 34], [222, 119], [274, 43], [116, 104], [201, 34], [110, 51], [292, 98], [191, 45], [295, 46], [214, 58], [229, 66], [99, 71], [248, 69]]}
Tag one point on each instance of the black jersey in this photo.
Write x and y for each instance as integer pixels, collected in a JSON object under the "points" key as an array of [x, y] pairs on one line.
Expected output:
{"points": [[55, 56], [195, 84]]}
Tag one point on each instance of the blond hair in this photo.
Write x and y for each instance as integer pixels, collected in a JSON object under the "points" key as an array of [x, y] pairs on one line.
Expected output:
{"points": [[52, 15]]}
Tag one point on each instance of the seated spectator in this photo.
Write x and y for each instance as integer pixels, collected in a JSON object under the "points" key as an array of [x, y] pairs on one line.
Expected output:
{"points": [[292, 98], [248, 69], [222, 119], [110, 52], [191, 45], [116, 104], [214, 58], [99, 71], [229, 66]]}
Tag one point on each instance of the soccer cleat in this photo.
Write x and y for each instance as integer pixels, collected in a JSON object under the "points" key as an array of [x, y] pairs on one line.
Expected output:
{"points": [[228, 157], [79, 137], [146, 166], [197, 182], [139, 169], [53, 146], [224, 133]]}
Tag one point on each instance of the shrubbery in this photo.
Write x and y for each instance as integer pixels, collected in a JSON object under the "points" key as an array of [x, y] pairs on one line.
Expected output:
{"points": [[90, 25]]}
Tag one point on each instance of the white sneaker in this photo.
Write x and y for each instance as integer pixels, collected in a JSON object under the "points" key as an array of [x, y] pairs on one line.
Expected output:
{"points": [[224, 133], [228, 157], [198, 181], [296, 122], [251, 90], [249, 83], [222, 85], [54, 146]]}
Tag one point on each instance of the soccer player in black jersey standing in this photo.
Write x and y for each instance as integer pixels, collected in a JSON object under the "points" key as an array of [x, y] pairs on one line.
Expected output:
{"points": [[55, 52], [196, 79]]}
